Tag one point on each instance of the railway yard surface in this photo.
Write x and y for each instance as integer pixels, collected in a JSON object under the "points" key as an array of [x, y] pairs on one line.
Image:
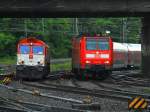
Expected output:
{"points": [[61, 92]]}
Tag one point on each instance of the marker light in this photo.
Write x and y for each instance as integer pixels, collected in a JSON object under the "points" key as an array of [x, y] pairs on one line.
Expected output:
{"points": [[107, 32]]}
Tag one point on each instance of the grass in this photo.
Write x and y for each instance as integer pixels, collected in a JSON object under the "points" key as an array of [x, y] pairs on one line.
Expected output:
{"points": [[7, 60], [61, 66], [146, 90], [54, 67], [1, 71]]}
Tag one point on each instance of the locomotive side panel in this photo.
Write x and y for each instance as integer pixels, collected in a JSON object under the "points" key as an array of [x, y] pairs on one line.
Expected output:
{"points": [[47, 59], [75, 54]]}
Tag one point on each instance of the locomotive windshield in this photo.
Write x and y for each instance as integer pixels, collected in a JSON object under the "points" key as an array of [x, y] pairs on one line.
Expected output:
{"points": [[91, 44], [103, 44], [24, 49], [97, 44], [38, 50]]}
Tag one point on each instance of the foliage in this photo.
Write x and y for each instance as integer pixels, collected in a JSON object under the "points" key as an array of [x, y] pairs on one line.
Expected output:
{"points": [[7, 60], [57, 32], [61, 66], [7, 44]]}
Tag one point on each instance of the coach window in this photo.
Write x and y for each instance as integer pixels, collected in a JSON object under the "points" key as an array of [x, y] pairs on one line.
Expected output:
{"points": [[38, 50], [91, 44], [24, 49]]}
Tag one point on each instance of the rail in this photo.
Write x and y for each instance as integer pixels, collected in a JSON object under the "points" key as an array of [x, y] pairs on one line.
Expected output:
{"points": [[113, 94]]}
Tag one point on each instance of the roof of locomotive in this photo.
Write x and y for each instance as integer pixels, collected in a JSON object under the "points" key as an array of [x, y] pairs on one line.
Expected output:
{"points": [[97, 37], [32, 40]]}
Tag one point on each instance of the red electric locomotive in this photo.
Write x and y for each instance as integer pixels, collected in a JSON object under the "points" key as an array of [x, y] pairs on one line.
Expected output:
{"points": [[33, 59], [92, 54], [98, 54]]}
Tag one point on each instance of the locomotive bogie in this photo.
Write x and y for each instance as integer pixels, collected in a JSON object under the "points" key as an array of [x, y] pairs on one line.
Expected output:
{"points": [[31, 72]]}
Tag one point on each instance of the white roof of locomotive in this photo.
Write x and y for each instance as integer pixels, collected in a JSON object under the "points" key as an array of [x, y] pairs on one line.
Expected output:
{"points": [[119, 47]]}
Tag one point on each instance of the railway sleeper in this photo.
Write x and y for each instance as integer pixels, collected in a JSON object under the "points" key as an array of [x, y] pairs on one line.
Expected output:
{"points": [[93, 106]]}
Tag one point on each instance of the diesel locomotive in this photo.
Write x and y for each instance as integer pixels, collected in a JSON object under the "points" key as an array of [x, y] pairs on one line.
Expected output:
{"points": [[33, 59]]}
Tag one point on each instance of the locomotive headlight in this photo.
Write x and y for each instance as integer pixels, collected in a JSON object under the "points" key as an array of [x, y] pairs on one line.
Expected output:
{"points": [[90, 55], [21, 62], [104, 55], [40, 62], [88, 61], [106, 62]]}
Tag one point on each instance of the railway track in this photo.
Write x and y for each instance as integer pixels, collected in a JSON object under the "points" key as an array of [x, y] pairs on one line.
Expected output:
{"points": [[119, 77], [102, 93], [12, 105], [129, 79], [77, 105]]}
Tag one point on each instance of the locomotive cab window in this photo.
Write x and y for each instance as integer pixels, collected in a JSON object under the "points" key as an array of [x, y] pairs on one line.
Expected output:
{"points": [[38, 50], [97, 44], [91, 44], [103, 44], [24, 49]]}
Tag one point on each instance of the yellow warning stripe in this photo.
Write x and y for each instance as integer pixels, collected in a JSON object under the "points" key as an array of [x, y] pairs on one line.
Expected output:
{"points": [[7, 80], [139, 103], [4, 79], [133, 102], [144, 105]]}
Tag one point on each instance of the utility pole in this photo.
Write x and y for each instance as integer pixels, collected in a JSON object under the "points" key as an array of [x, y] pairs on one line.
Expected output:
{"points": [[76, 26], [43, 25], [124, 30], [25, 27]]}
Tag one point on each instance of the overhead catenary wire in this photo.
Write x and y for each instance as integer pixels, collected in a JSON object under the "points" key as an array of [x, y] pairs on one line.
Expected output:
{"points": [[76, 25]]}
